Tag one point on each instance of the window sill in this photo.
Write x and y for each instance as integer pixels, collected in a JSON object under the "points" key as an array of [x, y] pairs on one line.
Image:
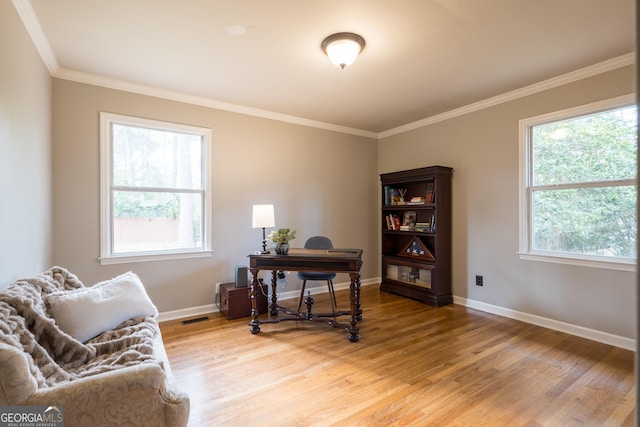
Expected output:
{"points": [[583, 261], [146, 257]]}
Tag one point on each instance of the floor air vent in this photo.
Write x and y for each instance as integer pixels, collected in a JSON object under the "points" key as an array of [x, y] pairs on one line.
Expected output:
{"points": [[195, 320]]}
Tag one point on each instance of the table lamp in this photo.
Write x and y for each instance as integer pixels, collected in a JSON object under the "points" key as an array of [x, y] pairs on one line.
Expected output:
{"points": [[263, 217]]}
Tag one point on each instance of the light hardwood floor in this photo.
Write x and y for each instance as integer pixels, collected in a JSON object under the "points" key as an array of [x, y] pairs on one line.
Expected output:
{"points": [[414, 365]]}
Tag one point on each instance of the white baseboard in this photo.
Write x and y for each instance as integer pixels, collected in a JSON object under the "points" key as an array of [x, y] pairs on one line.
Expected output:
{"points": [[592, 334], [213, 308], [187, 312]]}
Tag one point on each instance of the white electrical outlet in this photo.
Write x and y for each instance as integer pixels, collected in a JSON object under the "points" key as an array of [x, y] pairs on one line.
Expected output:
{"points": [[218, 287]]}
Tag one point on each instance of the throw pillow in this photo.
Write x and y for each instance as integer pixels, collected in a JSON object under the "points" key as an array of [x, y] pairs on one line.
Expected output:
{"points": [[87, 312]]}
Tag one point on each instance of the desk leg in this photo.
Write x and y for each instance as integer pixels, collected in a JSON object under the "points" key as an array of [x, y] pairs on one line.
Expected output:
{"points": [[354, 297], [255, 323], [358, 306], [274, 298]]}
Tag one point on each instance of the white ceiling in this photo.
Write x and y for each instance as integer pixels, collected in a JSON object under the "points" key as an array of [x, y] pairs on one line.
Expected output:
{"points": [[422, 57]]}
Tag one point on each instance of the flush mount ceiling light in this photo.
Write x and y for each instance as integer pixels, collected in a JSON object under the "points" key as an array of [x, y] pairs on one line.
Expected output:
{"points": [[343, 48]]}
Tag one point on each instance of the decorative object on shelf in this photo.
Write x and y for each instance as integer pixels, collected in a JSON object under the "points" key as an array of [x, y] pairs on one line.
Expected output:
{"points": [[417, 249], [263, 217], [281, 238], [343, 48], [402, 192]]}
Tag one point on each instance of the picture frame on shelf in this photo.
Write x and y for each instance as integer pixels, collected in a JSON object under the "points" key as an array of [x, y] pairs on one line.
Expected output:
{"points": [[409, 219], [395, 197]]}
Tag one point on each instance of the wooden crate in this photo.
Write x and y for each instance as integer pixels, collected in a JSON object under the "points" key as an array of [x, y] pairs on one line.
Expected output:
{"points": [[235, 303]]}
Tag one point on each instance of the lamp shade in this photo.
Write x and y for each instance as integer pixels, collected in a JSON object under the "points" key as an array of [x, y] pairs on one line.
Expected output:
{"points": [[343, 48], [263, 216]]}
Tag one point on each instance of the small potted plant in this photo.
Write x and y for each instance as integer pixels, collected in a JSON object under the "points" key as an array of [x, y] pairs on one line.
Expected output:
{"points": [[281, 238]]}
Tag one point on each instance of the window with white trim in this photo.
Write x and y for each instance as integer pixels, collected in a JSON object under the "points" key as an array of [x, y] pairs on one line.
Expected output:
{"points": [[578, 185], [155, 183]]}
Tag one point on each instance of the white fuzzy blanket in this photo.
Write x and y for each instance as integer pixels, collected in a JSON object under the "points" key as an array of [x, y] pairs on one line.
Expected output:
{"points": [[54, 356]]}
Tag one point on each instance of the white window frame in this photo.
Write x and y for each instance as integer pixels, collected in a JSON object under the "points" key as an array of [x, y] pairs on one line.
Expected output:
{"points": [[525, 251], [107, 120]]}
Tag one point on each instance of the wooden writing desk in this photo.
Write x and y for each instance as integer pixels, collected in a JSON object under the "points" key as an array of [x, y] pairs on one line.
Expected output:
{"points": [[336, 260]]}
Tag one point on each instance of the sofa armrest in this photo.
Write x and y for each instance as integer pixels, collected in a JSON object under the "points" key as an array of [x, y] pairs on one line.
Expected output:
{"points": [[16, 381], [133, 396]]}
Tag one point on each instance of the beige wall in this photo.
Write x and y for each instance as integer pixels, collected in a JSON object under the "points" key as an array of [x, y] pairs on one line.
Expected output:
{"points": [[25, 159], [482, 147], [321, 182]]}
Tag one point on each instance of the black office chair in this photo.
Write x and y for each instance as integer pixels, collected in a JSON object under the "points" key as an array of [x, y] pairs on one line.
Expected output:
{"points": [[318, 242]]}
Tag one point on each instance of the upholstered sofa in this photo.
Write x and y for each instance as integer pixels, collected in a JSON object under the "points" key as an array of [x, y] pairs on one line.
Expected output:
{"points": [[95, 352]]}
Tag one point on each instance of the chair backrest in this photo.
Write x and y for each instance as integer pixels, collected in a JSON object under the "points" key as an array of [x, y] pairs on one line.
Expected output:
{"points": [[318, 242]]}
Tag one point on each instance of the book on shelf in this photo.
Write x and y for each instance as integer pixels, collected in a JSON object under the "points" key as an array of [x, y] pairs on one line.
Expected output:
{"points": [[407, 228], [427, 227], [393, 222], [417, 200], [423, 227], [395, 219], [430, 196], [387, 197]]}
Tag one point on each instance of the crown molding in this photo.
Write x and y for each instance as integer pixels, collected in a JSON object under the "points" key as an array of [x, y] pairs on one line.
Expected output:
{"points": [[592, 70], [32, 24], [126, 86]]}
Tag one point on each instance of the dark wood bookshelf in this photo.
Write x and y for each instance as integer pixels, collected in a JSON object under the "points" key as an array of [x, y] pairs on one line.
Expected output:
{"points": [[416, 262]]}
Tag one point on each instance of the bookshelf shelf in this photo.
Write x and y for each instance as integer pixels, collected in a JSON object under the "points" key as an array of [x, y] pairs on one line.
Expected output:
{"points": [[416, 236]]}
